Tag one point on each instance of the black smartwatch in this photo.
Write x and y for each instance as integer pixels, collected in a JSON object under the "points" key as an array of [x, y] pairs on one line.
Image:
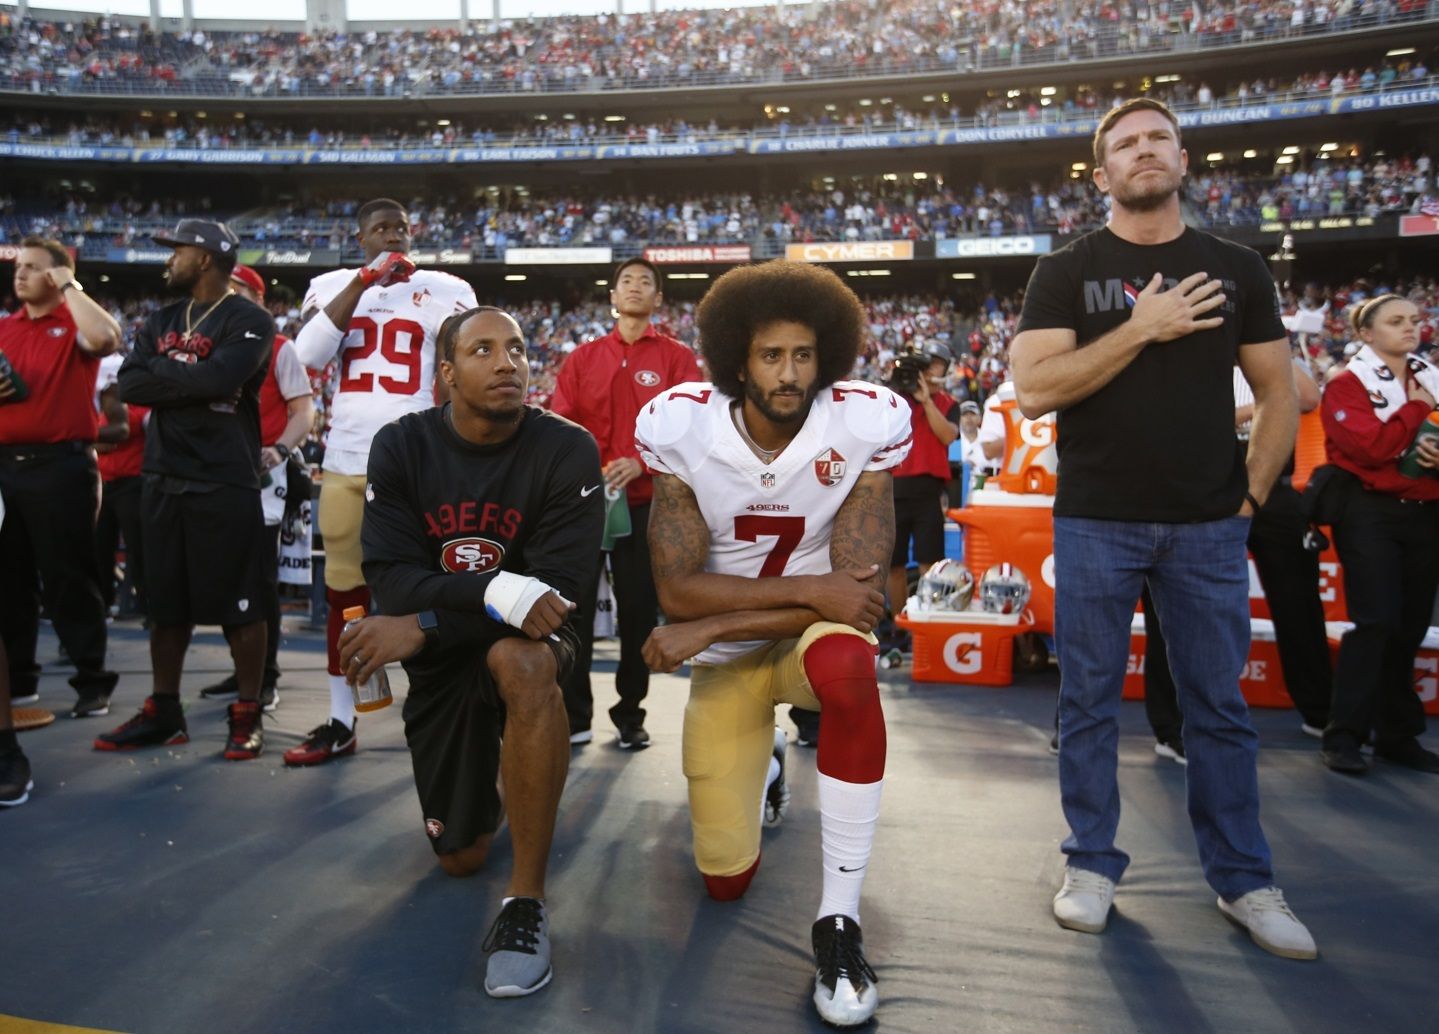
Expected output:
{"points": [[283, 450], [430, 625]]}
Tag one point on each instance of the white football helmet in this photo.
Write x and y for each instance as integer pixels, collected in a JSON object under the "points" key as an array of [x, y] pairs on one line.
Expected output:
{"points": [[1004, 589], [947, 585]]}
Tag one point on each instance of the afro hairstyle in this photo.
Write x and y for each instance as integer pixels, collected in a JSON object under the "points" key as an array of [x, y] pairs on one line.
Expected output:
{"points": [[750, 297]]}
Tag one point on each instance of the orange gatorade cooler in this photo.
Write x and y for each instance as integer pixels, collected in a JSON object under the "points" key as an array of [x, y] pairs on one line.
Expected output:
{"points": [[1426, 663], [1003, 527], [1031, 458], [971, 647]]}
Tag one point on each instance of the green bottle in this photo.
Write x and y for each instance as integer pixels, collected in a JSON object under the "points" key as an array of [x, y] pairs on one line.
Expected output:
{"points": [[618, 524], [21, 390], [1409, 462]]}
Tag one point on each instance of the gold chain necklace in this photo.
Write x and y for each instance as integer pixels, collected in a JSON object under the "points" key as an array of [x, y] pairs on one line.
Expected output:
{"points": [[190, 327]]}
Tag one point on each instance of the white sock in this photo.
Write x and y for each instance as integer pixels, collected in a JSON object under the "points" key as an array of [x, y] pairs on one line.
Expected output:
{"points": [[847, 815], [768, 782], [342, 701]]}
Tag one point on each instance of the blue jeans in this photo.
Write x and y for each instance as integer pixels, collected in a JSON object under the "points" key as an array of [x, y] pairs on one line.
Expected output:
{"points": [[1199, 579]]}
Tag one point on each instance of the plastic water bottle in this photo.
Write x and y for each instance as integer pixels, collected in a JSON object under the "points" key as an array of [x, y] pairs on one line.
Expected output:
{"points": [[374, 692], [1409, 462]]}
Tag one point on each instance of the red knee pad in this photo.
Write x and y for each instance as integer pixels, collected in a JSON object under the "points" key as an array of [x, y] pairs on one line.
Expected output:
{"points": [[730, 888], [840, 669], [338, 601]]}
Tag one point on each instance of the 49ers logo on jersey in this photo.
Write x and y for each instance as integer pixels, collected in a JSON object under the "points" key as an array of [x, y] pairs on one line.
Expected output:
{"points": [[471, 555], [829, 468], [647, 378]]}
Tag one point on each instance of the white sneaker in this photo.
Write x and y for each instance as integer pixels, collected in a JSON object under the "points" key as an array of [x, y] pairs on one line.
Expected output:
{"points": [[1311, 730], [581, 736], [1173, 750], [1083, 902], [1270, 924], [844, 991]]}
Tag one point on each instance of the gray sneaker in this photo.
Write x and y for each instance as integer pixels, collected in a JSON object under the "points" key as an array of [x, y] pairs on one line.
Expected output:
{"points": [[519, 943]]}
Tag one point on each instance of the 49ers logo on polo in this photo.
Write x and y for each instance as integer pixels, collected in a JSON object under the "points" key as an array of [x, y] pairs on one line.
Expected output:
{"points": [[646, 378], [471, 555], [1377, 400], [829, 468]]}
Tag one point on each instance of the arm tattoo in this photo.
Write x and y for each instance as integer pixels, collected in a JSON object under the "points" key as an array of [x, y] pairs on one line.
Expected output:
{"points": [[679, 538], [863, 532]]}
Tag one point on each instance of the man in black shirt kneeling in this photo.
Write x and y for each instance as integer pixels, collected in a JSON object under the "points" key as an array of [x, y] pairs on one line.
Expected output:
{"points": [[482, 522]]}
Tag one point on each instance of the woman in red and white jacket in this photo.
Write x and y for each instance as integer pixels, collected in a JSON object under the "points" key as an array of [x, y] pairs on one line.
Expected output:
{"points": [[1386, 528]]}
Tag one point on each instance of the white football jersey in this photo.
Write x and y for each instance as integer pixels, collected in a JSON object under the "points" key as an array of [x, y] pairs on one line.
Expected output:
{"points": [[771, 519], [387, 356]]}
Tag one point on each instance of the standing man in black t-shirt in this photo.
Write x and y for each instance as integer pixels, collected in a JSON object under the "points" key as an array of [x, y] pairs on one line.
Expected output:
{"points": [[199, 364], [1131, 333], [482, 523]]}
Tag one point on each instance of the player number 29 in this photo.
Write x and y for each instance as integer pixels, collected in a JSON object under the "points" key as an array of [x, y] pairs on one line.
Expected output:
{"points": [[388, 342]]}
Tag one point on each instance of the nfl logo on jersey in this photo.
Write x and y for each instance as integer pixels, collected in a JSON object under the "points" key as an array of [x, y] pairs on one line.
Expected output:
{"points": [[766, 480], [829, 468]]}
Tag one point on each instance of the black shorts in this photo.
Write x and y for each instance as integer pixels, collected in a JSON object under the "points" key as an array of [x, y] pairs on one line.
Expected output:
{"points": [[917, 515], [454, 723], [205, 555]]}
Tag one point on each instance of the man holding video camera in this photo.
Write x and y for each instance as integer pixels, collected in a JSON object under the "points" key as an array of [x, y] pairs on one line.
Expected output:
{"points": [[918, 377]]}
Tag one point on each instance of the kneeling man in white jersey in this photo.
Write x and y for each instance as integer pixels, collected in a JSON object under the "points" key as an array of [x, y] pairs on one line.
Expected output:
{"points": [[772, 527], [381, 321]]}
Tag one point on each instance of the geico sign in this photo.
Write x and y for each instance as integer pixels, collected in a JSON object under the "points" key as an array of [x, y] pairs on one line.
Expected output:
{"points": [[983, 247]]}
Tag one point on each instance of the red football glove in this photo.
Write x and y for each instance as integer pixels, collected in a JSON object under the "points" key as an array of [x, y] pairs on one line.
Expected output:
{"points": [[389, 267]]}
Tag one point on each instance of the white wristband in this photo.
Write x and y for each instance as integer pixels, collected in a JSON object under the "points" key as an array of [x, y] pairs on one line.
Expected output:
{"points": [[509, 597]]}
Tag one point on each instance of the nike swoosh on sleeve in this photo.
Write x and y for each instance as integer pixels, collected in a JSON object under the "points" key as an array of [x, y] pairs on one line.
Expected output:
{"points": [[585, 493]]}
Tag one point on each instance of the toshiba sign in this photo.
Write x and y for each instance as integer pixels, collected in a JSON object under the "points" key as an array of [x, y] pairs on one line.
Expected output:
{"points": [[851, 251], [707, 253], [988, 247]]}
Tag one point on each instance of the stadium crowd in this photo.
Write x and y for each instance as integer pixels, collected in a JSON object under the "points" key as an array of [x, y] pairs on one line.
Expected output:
{"points": [[1328, 183], [922, 113], [847, 38]]}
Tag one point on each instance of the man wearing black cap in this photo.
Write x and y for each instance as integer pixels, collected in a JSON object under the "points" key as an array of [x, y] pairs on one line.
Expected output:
{"points": [[199, 364]]}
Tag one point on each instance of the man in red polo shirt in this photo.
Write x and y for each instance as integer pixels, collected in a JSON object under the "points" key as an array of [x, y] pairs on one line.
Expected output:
{"points": [[287, 409], [602, 386], [919, 481], [53, 344]]}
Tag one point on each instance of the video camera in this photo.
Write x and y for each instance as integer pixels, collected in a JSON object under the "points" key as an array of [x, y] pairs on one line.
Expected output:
{"points": [[913, 363]]}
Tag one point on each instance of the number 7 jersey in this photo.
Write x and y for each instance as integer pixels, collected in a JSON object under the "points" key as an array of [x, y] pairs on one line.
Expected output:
{"points": [[387, 357], [771, 519]]}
